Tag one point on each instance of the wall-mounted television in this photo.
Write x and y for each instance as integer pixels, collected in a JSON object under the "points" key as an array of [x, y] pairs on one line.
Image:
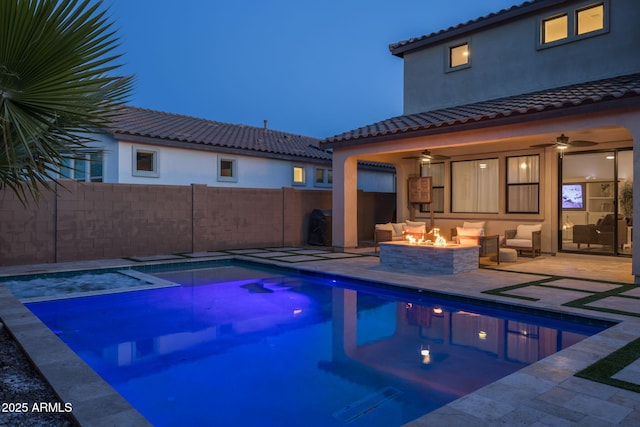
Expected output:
{"points": [[573, 196]]}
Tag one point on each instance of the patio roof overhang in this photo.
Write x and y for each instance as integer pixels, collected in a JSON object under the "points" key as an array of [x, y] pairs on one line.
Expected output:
{"points": [[592, 97]]}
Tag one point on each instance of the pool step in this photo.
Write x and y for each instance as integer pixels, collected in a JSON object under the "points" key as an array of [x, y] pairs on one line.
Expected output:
{"points": [[152, 280]]}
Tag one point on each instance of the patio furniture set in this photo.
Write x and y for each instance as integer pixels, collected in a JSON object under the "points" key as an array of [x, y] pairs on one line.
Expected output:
{"points": [[526, 237]]}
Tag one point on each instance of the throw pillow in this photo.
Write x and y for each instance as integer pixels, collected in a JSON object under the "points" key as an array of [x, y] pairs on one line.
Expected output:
{"points": [[397, 228], [523, 231], [386, 227]]}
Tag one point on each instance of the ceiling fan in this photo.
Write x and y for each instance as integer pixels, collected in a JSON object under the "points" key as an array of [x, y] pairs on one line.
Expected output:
{"points": [[563, 142], [426, 156]]}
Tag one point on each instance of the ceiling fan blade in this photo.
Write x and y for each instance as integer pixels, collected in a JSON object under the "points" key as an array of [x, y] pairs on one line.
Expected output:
{"points": [[545, 145], [440, 157], [581, 143], [411, 158]]}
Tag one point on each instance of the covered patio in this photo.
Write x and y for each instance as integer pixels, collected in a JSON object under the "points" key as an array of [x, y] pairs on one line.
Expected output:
{"points": [[500, 132]]}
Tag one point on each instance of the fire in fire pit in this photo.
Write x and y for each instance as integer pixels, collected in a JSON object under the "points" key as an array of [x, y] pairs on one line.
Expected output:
{"points": [[439, 240]]}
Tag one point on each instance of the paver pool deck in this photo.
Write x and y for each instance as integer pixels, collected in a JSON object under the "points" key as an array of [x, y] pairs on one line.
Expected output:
{"points": [[544, 393]]}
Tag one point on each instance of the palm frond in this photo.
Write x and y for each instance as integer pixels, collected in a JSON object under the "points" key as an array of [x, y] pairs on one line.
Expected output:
{"points": [[57, 84]]}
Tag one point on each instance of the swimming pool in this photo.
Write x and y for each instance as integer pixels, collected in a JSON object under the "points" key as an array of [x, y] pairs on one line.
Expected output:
{"points": [[237, 345]]}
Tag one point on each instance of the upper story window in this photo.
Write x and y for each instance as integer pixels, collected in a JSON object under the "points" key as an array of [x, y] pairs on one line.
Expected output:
{"points": [[556, 28], [227, 170], [145, 163], [574, 24], [590, 19], [458, 56]]}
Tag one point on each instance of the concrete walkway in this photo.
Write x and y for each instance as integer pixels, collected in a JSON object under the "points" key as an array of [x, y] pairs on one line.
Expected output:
{"points": [[544, 393]]}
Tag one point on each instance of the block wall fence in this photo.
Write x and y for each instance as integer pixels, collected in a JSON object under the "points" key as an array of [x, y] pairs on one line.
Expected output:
{"points": [[84, 221]]}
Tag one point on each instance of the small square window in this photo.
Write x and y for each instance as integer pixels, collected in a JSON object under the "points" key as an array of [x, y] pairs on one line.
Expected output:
{"points": [[554, 29], [227, 170], [459, 55], [324, 177], [145, 163], [298, 175], [590, 19]]}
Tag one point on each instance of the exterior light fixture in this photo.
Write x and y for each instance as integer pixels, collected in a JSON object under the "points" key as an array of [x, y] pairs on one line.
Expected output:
{"points": [[562, 148]]}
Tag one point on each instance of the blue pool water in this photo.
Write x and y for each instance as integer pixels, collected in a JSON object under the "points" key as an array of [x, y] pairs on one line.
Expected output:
{"points": [[234, 345]]}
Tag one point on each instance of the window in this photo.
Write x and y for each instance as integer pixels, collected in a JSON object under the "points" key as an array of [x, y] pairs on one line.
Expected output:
{"points": [[227, 170], [523, 184], [324, 177], [474, 186], [145, 163], [299, 177], [76, 167], [590, 19], [555, 29], [436, 172], [459, 55], [574, 24]]}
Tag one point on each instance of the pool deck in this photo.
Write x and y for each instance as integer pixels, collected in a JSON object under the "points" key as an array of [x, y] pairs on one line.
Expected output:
{"points": [[544, 393]]}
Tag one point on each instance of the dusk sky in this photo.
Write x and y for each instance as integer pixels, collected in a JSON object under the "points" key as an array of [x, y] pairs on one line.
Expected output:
{"points": [[312, 68]]}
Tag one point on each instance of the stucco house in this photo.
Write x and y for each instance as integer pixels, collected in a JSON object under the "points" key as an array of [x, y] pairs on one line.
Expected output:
{"points": [[152, 147], [514, 114]]}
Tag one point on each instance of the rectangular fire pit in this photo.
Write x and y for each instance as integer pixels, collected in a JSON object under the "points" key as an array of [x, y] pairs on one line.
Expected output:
{"points": [[403, 256]]}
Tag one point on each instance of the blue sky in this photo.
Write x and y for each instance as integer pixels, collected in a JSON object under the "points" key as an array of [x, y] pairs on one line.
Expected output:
{"points": [[312, 68]]}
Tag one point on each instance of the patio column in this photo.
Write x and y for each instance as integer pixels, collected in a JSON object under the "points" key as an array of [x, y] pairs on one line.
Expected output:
{"points": [[345, 202], [634, 128]]}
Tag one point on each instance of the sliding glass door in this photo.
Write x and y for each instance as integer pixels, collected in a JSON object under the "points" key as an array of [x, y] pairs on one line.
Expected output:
{"points": [[593, 202]]}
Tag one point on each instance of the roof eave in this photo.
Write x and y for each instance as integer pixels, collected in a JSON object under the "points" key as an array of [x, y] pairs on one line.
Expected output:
{"points": [[478, 24], [515, 118], [123, 136]]}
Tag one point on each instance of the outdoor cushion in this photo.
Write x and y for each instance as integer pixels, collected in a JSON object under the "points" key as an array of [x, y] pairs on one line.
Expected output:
{"points": [[397, 228], [387, 227], [416, 223], [519, 243], [468, 236], [524, 231], [479, 224], [409, 229]]}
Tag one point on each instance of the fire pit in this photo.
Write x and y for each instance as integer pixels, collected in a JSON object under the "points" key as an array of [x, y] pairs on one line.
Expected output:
{"points": [[439, 257]]}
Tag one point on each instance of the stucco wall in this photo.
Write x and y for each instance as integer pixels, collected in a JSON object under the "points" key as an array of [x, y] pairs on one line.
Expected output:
{"points": [[99, 221], [506, 60]]}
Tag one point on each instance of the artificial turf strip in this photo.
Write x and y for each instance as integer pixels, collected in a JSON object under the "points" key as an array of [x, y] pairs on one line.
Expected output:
{"points": [[603, 370], [502, 291], [582, 302]]}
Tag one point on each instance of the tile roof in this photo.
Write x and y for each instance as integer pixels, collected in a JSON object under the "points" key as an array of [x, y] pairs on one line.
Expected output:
{"points": [[167, 128], [517, 107], [528, 7]]}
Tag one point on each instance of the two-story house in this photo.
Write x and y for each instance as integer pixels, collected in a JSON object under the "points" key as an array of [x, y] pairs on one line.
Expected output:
{"points": [[512, 114], [152, 147]]}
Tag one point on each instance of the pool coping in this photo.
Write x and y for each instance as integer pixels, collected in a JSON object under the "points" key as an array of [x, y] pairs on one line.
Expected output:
{"points": [[96, 403]]}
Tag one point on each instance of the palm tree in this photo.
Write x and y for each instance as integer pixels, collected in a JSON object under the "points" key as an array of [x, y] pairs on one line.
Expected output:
{"points": [[57, 87]]}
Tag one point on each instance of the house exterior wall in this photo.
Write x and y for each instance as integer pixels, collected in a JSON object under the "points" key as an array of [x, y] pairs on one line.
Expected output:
{"points": [[506, 60], [180, 166]]}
